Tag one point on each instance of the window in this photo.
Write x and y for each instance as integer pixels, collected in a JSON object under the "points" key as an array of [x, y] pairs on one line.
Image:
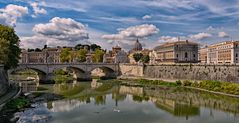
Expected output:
{"points": [[186, 55], [177, 55], [236, 55], [194, 55]]}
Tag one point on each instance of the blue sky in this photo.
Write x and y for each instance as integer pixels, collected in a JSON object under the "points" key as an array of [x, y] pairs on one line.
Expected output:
{"points": [[111, 22]]}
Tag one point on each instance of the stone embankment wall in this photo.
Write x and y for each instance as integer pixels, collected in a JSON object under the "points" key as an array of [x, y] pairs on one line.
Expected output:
{"points": [[229, 73], [3, 81], [131, 70]]}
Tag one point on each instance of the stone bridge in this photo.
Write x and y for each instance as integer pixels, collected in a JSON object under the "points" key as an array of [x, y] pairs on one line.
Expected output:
{"points": [[80, 70]]}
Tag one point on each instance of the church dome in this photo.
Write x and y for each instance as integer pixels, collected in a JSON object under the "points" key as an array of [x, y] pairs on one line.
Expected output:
{"points": [[137, 46]]}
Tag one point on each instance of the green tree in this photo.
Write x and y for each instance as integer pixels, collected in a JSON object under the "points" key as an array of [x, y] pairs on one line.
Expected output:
{"points": [[81, 55], [4, 44], [9, 47], [30, 50], [93, 47], [78, 46], [66, 55], [137, 56], [38, 50], [98, 56], [145, 59]]}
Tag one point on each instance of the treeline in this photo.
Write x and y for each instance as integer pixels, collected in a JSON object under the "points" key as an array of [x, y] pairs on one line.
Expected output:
{"points": [[91, 47], [69, 55]]}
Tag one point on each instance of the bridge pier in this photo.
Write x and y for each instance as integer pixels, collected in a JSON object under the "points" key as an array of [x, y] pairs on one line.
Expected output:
{"points": [[110, 75], [46, 78]]}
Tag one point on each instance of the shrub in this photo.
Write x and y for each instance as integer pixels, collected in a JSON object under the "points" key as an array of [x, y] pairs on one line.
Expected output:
{"points": [[225, 87], [178, 82], [18, 103], [187, 83]]}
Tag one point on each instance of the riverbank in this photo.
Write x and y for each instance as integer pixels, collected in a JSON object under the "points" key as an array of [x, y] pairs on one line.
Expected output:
{"points": [[28, 108], [215, 87], [11, 93]]}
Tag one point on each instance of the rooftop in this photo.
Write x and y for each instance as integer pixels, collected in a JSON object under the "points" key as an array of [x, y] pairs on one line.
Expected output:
{"points": [[175, 43]]}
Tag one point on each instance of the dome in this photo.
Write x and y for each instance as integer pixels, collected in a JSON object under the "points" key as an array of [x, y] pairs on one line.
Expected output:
{"points": [[137, 46]]}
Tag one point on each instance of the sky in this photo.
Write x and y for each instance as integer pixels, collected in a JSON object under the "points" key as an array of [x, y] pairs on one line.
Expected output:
{"points": [[120, 22]]}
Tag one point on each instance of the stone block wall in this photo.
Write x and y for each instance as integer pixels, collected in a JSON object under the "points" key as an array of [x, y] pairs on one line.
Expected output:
{"points": [[229, 73], [134, 70]]}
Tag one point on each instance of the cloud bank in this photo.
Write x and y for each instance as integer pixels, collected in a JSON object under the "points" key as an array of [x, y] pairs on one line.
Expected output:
{"points": [[10, 14]]}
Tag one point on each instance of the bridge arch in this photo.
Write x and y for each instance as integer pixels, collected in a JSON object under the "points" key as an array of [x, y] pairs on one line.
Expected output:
{"points": [[41, 74], [77, 72], [107, 71]]}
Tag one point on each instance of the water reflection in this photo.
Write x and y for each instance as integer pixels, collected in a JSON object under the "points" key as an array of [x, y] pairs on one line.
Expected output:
{"points": [[141, 104]]}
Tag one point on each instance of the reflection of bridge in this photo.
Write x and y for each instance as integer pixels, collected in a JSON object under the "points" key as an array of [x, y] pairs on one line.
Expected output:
{"points": [[80, 70]]}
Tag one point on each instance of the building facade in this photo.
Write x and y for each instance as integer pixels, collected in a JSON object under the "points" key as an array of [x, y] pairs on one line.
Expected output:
{"points": [[202, 55], [116, 55], [175, 52], [48, 55], [224, 52]]}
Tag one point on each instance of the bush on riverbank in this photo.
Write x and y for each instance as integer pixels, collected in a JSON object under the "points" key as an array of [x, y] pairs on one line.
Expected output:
{"points": [[18, 103], [62, 76], [59, 79], [225, 87]]}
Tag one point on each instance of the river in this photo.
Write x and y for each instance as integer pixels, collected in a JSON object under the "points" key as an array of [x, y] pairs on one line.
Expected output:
{"points": [[108, 102]]}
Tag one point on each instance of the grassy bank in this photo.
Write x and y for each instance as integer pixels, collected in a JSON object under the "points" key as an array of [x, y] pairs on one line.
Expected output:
{"points": [[216, 86], [224, 87]]}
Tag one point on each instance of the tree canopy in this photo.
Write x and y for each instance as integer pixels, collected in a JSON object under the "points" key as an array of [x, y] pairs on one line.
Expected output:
{"points": [[66, 55], [92, 47], [9, 47], [137, 56], [145, 59], [81, 55], [98, 56]]}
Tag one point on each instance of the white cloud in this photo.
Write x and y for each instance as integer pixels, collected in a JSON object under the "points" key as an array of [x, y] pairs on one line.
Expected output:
{"points": [[37, 10], [120, 19], [32, 42], [127, 37], [11, 13], [168, 39], [147, 17], [200, 36], [139, 31], [211, 28], [223, 35], [79, 6], [58, 32], [62, 29], [186, 4]]}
